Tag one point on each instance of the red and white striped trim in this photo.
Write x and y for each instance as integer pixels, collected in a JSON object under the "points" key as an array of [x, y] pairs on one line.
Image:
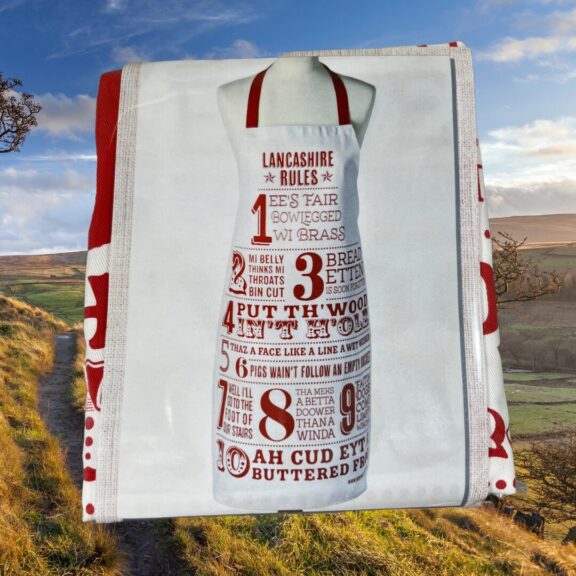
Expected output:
{"points": [[97, 278]]}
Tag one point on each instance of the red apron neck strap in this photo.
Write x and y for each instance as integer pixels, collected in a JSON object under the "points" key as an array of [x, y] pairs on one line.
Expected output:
{"points": [[254, 99], [341, 97], [256, 89]]}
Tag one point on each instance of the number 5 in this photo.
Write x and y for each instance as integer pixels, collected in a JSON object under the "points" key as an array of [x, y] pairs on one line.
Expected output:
{"points": [[226, 344]]}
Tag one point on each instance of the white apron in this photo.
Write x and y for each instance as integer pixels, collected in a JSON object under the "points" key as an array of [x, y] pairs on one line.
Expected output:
{"points": [[291, 389]]}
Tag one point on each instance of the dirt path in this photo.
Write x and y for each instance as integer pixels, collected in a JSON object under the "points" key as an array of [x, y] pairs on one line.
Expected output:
{"points": [[145, 542]]}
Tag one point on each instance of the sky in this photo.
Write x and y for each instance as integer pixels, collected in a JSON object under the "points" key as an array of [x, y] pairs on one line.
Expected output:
{"points": [[524, 65]]}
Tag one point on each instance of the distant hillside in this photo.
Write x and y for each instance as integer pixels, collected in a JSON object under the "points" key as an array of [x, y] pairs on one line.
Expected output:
{"points": [[53, 281], [548, 228], [43, 260]]}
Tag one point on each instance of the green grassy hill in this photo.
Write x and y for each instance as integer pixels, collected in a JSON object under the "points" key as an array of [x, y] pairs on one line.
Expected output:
{"points": [[53, 281], [41, 529], [403, 543], [539, 337], [546, 228]]}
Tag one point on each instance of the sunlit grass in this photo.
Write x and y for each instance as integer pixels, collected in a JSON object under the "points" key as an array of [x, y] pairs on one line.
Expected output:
{"points": [[41, 528], [403, 543]]}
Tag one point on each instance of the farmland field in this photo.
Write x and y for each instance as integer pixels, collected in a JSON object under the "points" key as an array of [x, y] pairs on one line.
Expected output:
{"points": [[54, 282], [559, 258], [521, 393], [540, 403], [539, 339], [536, 376], [537, 420]]}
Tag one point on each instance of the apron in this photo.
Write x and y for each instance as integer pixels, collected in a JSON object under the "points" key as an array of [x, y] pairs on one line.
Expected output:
{"points": [[291, 387]]}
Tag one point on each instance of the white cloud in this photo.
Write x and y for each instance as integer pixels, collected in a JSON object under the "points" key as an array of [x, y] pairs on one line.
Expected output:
{"points": [[562, 23], [149, 26], [124, 54], [560, 38], [540, 198], [66, 117], [538, 134], [552, 71], [88, 156], [52, 223], [10, 5], [566, 76], [514, 50], [240, 48], [43, 210], [112, 5], [531, 169], [484, 5], [14, 181], [527, 78]]}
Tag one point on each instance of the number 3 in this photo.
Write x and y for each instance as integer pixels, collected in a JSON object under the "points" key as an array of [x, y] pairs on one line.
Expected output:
{"points": [[317, 283]]}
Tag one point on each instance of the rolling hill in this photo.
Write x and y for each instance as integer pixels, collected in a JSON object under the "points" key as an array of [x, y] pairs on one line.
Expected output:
{"points": [[545, 229]]}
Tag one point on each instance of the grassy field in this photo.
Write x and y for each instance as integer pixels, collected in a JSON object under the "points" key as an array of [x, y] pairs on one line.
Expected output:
{"points": [[522, 393], [539, 337], [525, 377], [558, 258], [543, 229], [533, 420], [403, 543], [540, 403], [41, 529], [54, 282]]}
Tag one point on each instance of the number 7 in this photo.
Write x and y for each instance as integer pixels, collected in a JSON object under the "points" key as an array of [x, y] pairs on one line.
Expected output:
{"points": [[224, 385]]}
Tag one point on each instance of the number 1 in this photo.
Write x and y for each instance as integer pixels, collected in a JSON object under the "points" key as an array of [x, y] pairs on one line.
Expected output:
{"points": [[260, 206]]}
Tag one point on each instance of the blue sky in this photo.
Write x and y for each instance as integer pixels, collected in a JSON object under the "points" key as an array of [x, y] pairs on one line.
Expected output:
{"points": [[524, 62]]}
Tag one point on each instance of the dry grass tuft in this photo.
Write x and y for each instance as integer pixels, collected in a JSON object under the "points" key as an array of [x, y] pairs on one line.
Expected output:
{"points": [[41, 528], [78, 388], [404, 543]]}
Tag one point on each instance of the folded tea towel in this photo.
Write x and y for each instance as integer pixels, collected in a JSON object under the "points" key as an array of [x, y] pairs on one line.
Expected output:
{"points": [[158, 261]]}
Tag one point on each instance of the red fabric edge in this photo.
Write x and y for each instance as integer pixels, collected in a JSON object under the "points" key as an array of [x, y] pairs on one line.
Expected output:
{"points": [[100, 231]]}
